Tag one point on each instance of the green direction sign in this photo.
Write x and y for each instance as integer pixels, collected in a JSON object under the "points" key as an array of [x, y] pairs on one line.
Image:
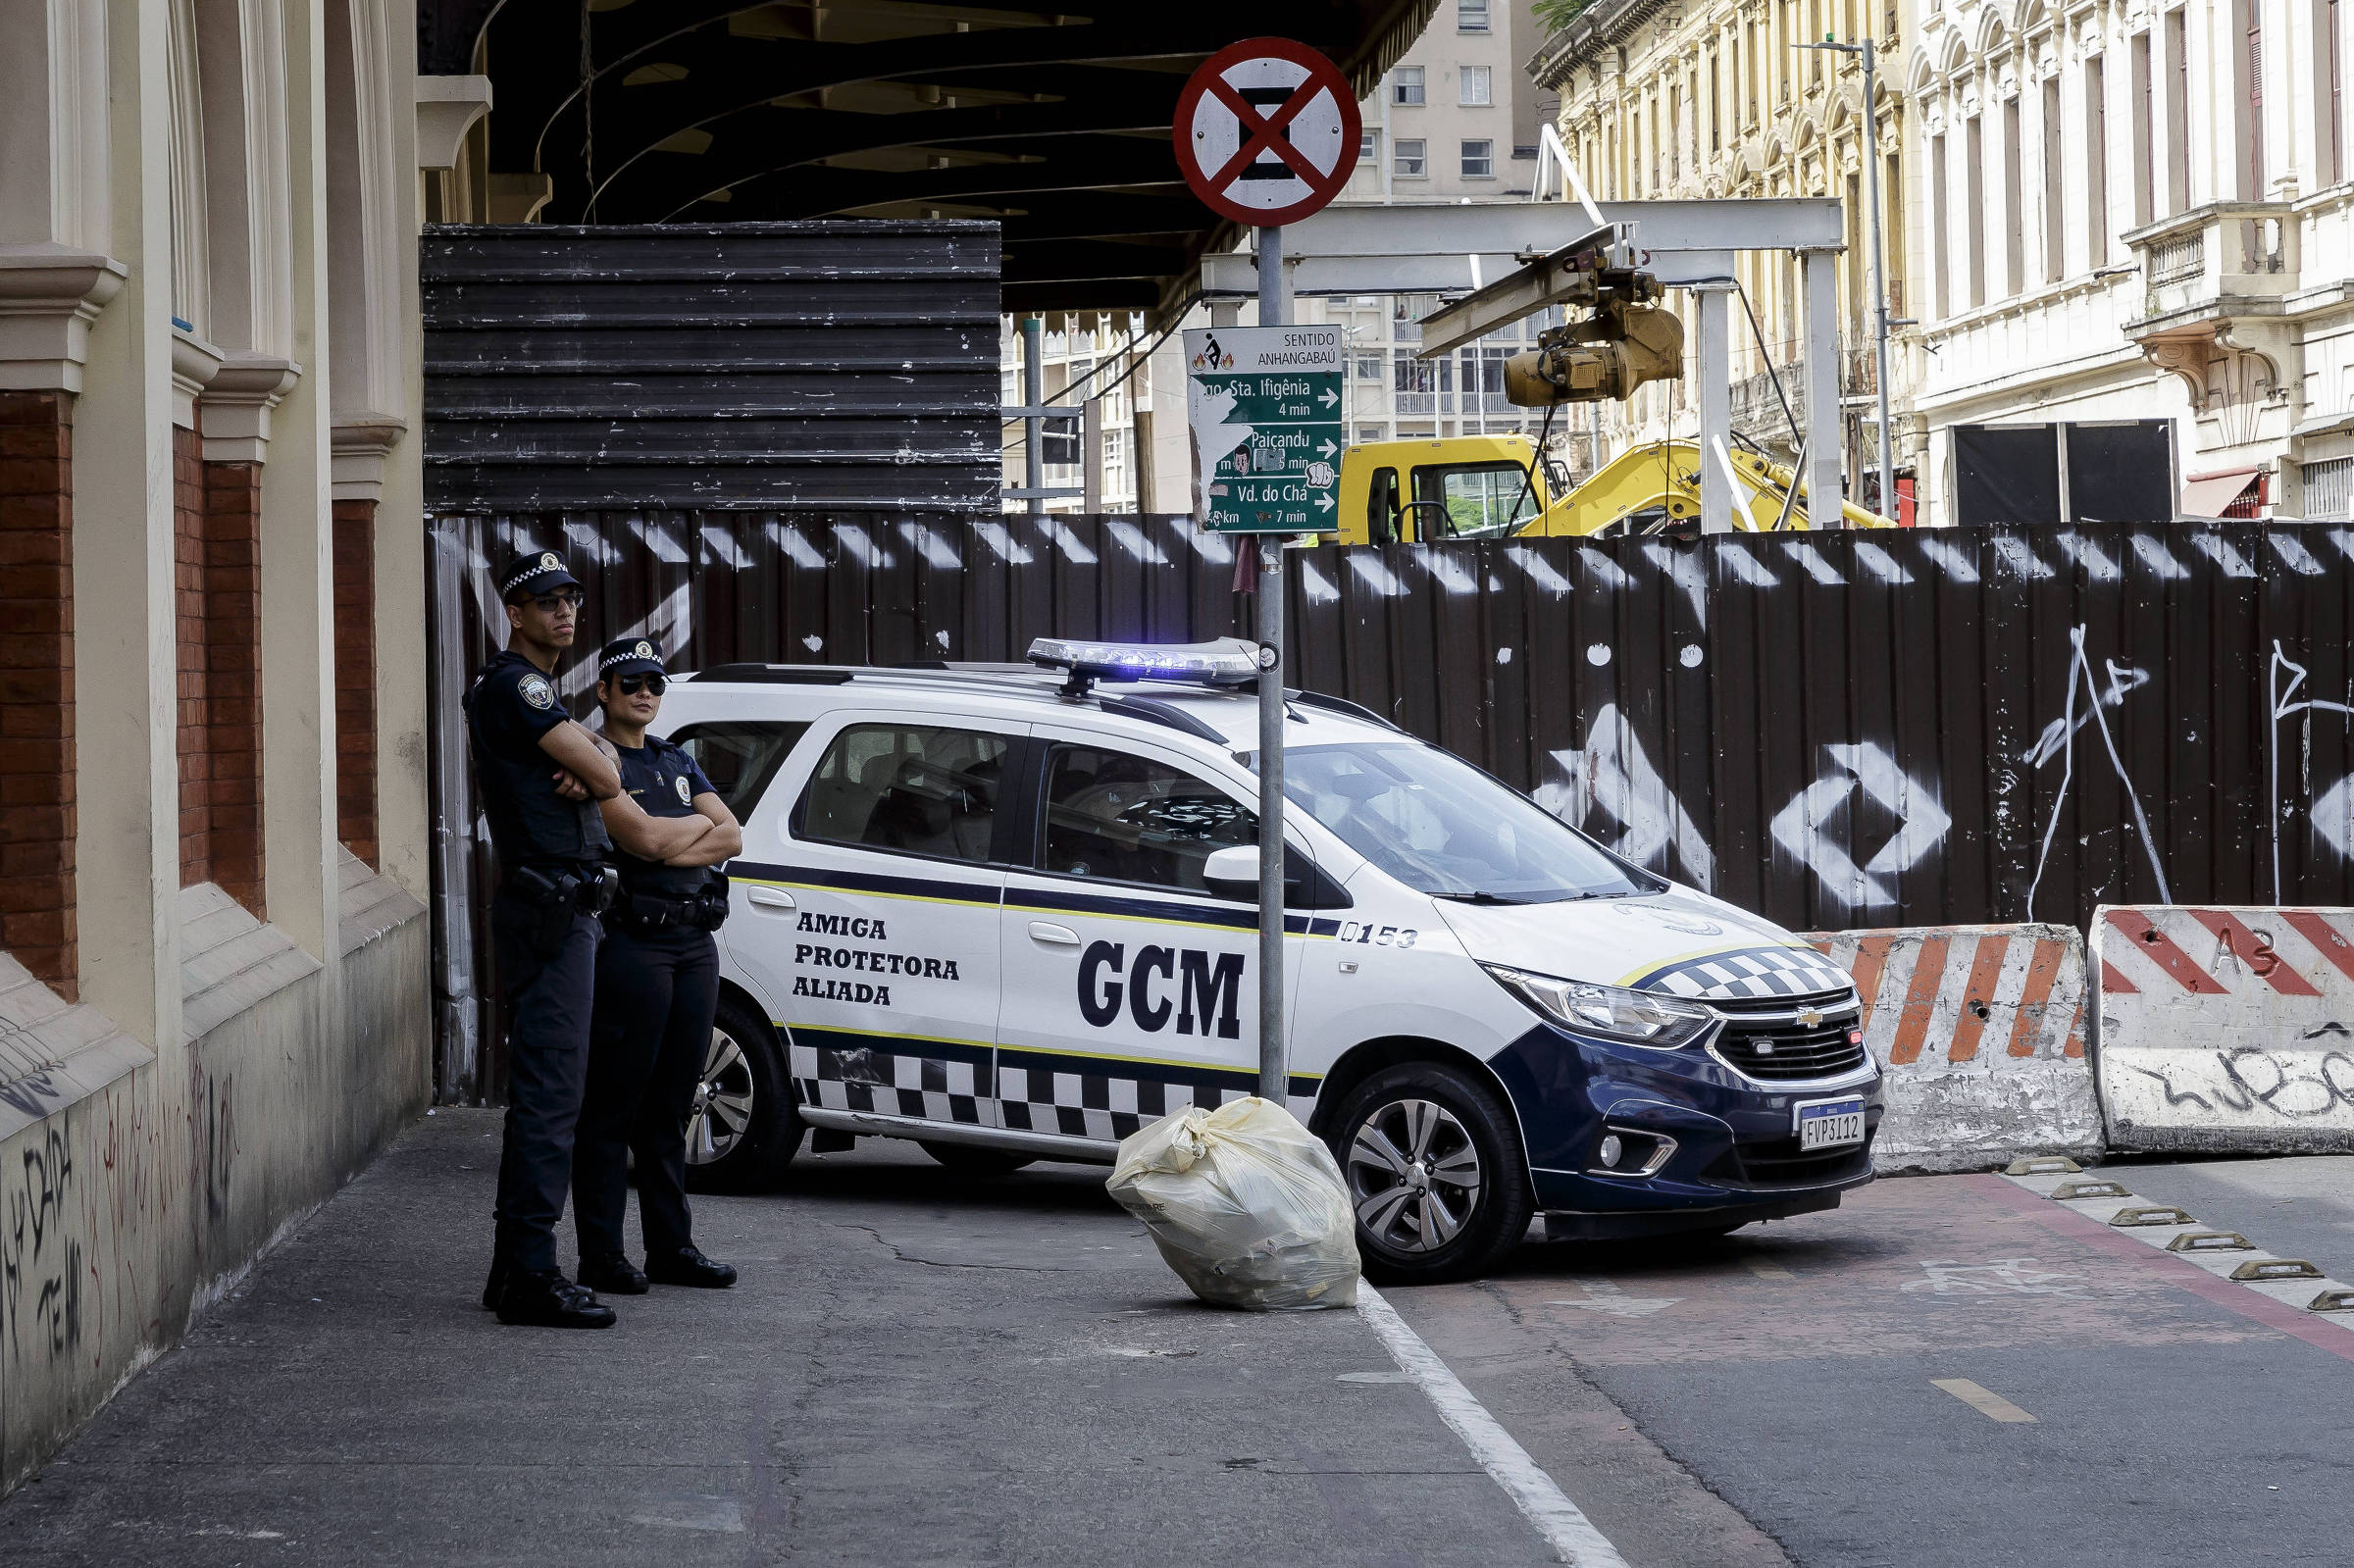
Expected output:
{"points": [[1264, 404]]}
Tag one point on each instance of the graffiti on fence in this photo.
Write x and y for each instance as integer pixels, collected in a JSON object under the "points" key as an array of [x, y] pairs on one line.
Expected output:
{"points": [[2058, 740]]}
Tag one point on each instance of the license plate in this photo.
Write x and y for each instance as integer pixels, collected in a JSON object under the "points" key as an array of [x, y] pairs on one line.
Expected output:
{"points": [[1828, 1124]]}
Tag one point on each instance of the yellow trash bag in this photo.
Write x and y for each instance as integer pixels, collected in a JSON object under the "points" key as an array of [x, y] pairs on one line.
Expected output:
{"points": [[1246, 1204]]}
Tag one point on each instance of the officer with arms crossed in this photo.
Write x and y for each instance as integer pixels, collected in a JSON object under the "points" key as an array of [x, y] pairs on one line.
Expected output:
{"points": [[539, 771], [657, 986]]}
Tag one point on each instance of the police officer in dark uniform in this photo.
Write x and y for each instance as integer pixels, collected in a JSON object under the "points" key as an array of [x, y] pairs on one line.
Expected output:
{"points": [[657, 986], [540, 774]]}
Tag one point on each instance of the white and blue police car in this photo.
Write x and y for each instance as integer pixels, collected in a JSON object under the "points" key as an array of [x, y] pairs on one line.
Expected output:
{"points": [[1009, 912]]}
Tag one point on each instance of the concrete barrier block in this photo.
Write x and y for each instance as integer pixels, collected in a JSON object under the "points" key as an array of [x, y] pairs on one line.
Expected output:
{"points": [[1980, 1032], [2228, 1028]]}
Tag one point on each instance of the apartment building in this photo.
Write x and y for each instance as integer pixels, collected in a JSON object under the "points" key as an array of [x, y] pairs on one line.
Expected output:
{"points": [[1455, 119]]}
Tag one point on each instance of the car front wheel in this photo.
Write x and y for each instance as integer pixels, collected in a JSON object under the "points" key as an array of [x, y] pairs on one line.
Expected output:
{"points": [[1433, 1165], [743, 1126]]}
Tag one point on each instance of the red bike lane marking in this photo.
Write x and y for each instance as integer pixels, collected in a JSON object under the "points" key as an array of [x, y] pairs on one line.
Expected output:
{"points": [[2252, 1305]]}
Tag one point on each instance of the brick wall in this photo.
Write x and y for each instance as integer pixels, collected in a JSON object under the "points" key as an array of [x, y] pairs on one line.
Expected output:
{"points": [[36, 687], [216, 516], [355, 679], [233, 676], [188, 593]]}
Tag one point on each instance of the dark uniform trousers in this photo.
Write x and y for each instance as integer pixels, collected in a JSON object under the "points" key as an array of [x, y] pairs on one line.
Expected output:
{"points": [[655, 995], [548, 998]]}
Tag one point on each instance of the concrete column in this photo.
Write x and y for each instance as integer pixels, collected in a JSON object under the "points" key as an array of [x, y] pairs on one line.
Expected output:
{"points": [[1715, 371], [1822, 285], [127, 842], [1091, 457], [404, 796], [298, 702]]}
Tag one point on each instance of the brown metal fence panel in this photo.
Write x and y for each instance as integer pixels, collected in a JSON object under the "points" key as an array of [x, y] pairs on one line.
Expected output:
{"points": [[1837, 731]]}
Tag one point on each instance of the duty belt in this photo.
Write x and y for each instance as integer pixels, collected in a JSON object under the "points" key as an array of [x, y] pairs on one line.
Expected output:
{"points": [[646, 912]]}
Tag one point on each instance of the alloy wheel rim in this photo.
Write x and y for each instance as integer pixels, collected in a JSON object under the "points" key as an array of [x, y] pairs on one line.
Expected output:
{"points": [[723, 1102], [1414, 1176]]}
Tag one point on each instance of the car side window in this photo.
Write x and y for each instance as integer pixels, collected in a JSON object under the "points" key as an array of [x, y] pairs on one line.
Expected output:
{"points": [[911, 789], [740, 758], [1124, 817]]}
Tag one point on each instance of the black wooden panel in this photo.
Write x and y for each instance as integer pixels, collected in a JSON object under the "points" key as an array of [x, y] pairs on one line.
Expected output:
{"points": [[833, 367]]}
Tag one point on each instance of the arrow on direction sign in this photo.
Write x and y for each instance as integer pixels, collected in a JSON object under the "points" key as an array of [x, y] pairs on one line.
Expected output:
{"points": [[1329, 448], [1329, 398], [1324, 499]]}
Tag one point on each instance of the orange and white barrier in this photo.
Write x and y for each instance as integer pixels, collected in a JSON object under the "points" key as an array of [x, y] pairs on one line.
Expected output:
{"points": [[1980, 1032], [2226, 1027]]}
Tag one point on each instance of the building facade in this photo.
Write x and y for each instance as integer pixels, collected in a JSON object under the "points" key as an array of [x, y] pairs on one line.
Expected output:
{"points": [[213, 860], [1662, 101], [2099, 215], [2128, 210]]}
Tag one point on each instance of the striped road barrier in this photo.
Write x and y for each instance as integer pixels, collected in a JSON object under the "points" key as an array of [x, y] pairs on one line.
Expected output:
{"points": [[2228, 1028], [1980, 1032]]}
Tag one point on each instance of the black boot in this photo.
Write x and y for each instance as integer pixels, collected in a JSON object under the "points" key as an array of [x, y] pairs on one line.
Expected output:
{"points": [[612, 1273], [544, 1298], [499, 1270], [687, 1266]]}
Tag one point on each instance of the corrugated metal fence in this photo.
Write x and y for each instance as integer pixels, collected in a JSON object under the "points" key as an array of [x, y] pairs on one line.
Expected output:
{"points": [[1837, 729]]}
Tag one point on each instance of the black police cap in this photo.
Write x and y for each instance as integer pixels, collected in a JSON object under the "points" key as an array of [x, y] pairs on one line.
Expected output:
{"points": [[625, 655], [530, 573]]}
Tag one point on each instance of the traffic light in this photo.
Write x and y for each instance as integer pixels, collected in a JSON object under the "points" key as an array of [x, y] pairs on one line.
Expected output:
{"points": [[1629, 341]]}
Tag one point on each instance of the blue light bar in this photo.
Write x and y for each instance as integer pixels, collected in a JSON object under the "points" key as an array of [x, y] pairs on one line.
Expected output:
{"points": [[1227, 662]]}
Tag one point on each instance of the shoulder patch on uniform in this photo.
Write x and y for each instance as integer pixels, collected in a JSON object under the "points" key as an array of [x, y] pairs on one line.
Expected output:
{"points": [[686, 792], [535, 689]]}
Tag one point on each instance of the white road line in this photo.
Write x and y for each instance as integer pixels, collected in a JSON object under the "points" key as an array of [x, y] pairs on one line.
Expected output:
{"points": [[1564, 1527]]}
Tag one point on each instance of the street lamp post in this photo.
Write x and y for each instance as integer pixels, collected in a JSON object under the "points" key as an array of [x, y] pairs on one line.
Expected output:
{"points": [[1879, 287]]}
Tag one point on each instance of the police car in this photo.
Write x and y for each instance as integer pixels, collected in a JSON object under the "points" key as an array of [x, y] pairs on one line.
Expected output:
{"points": [[1009, 912]]}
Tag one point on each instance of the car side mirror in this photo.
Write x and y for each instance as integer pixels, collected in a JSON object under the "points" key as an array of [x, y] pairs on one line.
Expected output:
{"points": [[1232, 871]]}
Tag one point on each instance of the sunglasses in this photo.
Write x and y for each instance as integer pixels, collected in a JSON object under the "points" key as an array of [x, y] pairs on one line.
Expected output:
{"points": [[631, 685], [561, 599]]}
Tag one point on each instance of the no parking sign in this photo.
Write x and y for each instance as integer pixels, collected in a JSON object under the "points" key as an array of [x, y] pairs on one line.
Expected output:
{"points": [[1266, 131]]}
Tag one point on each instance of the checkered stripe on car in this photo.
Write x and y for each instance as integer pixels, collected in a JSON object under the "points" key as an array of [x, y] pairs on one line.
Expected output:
{"points": [[1749, 971], [894, 1078], [1096, 1105], [1105, 1101]]}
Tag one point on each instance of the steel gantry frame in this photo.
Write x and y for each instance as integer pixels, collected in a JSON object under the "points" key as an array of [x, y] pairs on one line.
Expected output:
{"points": [[1508, 260]]}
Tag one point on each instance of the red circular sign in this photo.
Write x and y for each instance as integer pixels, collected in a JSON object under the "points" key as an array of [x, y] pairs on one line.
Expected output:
{"points": [[1266, 131]]}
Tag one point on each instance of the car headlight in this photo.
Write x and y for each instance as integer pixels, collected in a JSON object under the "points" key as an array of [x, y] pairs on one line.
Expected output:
{"points": [[1637, 1017]]}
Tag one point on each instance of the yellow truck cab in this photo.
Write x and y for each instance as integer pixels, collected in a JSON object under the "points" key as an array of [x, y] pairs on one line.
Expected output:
{"points": [[1485, 487], [1468, 488]]}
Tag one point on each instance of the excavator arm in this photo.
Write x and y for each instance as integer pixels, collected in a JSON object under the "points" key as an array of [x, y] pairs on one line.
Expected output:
{"points": [[1649, 486]]}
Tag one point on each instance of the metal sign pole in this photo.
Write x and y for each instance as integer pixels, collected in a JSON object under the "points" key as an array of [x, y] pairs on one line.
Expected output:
{"points": [[1273, 1070], [1034, 394]]}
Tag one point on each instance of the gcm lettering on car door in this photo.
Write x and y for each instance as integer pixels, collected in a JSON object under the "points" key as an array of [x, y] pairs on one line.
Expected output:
{"points": [[1130, 988]]}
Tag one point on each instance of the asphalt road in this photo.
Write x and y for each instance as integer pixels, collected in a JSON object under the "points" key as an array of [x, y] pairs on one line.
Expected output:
{"points": [[920, 1368]]}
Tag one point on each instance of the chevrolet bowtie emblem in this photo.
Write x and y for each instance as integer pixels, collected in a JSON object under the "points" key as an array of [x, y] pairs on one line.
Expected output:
{"points": [[1810, 1017]]}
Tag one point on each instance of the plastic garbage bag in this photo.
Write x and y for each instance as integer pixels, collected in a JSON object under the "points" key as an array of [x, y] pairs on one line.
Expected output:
{"points": [[1246, 1204]]}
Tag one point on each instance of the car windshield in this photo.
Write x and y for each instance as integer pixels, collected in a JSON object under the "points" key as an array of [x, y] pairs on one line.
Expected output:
{"points": [[1442, 827]]}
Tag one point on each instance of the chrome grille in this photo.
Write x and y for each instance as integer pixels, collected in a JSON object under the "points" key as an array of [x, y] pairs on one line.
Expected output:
{"points": [[1775, 1039]]}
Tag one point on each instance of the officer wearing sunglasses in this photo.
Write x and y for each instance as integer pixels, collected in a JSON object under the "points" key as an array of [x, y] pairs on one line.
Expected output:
{"points": [[540, 774], [657, 987]]}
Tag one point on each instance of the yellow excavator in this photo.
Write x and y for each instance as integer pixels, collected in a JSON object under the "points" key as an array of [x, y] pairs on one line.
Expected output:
{"points": [[1494, 487]]}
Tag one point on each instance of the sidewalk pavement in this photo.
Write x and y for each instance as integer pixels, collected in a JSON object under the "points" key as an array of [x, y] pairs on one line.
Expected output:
{"points": [[916, 1367]]}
